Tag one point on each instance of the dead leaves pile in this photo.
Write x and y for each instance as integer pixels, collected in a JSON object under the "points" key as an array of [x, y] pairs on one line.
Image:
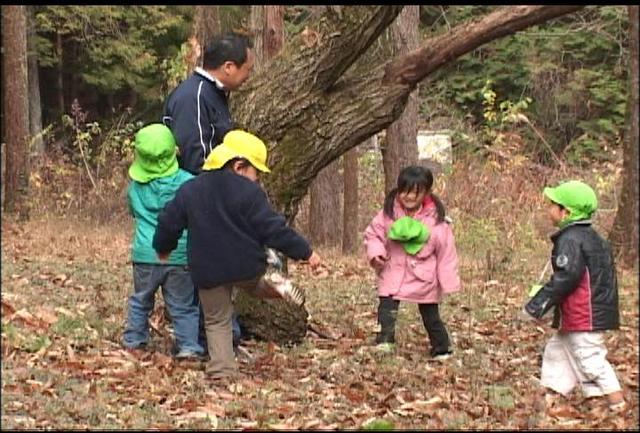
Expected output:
{"points": [[63, 367]]}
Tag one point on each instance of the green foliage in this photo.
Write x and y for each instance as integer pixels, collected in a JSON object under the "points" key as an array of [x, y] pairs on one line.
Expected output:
{"points": [[118, 47], [573, 70], [378, 424]]}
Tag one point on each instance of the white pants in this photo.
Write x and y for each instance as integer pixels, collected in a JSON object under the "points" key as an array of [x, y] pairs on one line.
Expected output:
{"points": [[578, 358]]}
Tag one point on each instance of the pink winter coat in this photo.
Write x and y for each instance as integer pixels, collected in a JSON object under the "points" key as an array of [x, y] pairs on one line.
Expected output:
{"points": [[422, 278]]}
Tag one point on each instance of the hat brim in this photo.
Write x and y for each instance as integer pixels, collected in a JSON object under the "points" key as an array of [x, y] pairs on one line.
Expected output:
{"points": [[550, 193], [221, 154], [139, 173]]}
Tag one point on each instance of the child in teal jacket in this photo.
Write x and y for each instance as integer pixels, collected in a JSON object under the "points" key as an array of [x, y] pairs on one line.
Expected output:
{"points": [[155, 179]]}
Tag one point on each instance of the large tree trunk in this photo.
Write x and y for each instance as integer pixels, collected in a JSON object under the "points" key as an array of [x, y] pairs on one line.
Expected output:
{"points": [[16, 109], [315, 101], [35, 106], [270, 320], [624, 235], [400, 149]]}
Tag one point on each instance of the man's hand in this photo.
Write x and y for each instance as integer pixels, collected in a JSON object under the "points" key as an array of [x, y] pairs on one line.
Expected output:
{"points": [[378, 262], [163, 257]]}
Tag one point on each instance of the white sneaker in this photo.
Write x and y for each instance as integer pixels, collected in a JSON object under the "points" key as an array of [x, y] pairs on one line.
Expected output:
{"points": [[442, 356]]}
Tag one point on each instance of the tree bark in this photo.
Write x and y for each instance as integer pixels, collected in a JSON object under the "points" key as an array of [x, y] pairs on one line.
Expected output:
{"points": [[400, 148], [207, 25], [60, 73], [16, 109], [624, 234], [324, 208], [351, 201], [317, 101], [257, 30], [35, 106]]}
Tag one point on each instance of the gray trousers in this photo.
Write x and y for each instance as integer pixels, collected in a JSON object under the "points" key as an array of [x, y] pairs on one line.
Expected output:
{"points": [[217, 307]]}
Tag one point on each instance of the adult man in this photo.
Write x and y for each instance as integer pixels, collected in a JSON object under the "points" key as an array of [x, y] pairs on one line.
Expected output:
{"points": [[197, 111]]}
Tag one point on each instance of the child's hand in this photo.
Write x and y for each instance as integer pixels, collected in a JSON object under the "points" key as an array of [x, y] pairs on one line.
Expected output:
{"points": [[163, 257], [378, 262], [314, 260]]}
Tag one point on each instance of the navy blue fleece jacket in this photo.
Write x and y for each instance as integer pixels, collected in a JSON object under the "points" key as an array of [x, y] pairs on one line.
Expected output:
{"points": [[230, 222]]}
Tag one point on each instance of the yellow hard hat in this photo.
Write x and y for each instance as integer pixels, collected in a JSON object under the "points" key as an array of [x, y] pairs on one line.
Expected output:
{"points": [[238, 144]]}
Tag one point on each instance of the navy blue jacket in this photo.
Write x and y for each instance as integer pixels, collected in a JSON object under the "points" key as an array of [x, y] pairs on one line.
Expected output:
{"points": [[230, 222], [197, 112]]}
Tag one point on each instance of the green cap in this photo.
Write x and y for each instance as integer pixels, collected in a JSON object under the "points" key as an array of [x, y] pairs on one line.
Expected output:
{"points": [[575, 196], [155, 154], [410, 232]]}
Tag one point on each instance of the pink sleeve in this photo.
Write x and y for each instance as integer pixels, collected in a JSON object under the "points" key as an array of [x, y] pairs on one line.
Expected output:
{"points": [[447, 261], [375, 237]]}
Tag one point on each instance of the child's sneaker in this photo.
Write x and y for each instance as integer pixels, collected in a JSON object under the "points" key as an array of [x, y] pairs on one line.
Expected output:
{"points": [[442, 356], [385, 347]]}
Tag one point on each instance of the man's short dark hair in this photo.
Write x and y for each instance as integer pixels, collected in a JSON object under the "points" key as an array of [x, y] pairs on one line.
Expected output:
{"points": [[228, 47]]}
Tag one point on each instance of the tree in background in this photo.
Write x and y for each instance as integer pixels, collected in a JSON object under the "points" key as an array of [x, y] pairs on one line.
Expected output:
{"points": [[35, 106], [400, 148], [16, 110], [624, 235], [324, 195]]}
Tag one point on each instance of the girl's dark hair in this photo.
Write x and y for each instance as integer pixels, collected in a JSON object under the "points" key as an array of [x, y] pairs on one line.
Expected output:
{"points": [[228, 47], [414, 177]]}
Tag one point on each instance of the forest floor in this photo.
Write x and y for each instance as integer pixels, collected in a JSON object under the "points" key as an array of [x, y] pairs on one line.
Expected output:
{"points": [[65, 284]]}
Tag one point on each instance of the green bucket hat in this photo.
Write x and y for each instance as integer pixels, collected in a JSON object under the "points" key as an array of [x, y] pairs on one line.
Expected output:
{"points": [[410, 232], [575, 196], [155, 154]]}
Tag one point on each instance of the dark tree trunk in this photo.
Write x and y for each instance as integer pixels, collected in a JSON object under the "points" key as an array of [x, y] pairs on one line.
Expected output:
{"points": [[60, 73], [35, 106], [624, 234], [16, 110], [315, 101], [350, 229], [400, 147]]}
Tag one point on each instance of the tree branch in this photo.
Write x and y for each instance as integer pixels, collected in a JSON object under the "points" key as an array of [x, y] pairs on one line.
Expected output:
{"points": [[438, 51]]}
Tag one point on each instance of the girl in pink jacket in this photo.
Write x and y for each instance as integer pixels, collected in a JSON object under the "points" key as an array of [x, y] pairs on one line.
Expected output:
{"points": [[410, 244]]}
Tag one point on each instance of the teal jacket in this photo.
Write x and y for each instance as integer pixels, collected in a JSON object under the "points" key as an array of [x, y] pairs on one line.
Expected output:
{"points": [[146, 200]]}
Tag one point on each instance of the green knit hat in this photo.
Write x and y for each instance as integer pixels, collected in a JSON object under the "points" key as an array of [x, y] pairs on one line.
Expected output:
{"points": [[410, 232], [155, 154], [575, 196]]}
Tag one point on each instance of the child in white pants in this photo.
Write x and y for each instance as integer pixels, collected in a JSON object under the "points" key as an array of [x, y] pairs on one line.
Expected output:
{"points": [[583, 291]]}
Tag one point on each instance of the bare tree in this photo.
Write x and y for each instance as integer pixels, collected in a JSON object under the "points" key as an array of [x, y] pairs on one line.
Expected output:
{"points": [[16, 110], [400, 147], [624, 234]]}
